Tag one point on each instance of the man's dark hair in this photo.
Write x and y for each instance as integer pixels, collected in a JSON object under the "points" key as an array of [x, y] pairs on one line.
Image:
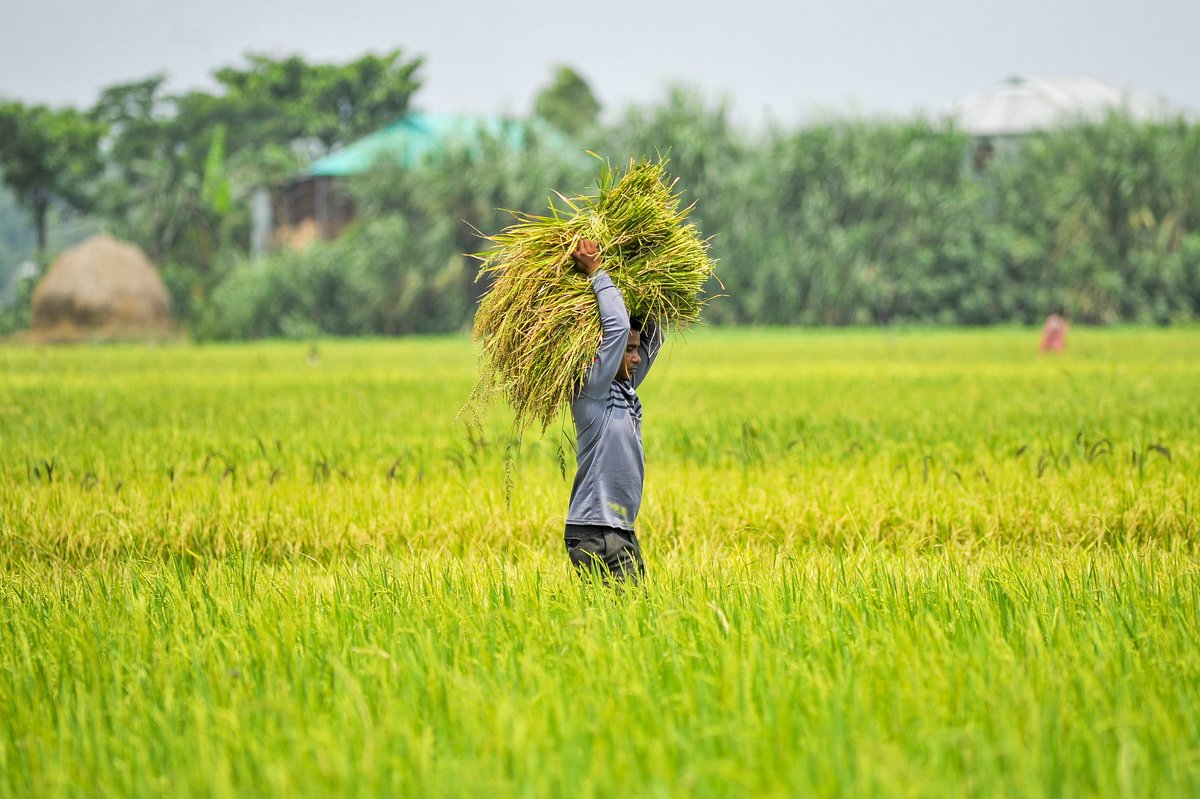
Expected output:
{"points": [[635, 324]]}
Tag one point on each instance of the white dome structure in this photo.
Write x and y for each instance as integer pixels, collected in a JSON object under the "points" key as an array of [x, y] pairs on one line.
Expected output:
{"points": [[1029, 104]]}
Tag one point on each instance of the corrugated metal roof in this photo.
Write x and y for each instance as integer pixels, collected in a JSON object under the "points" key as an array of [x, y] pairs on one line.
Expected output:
{"points": [[412, 138]]}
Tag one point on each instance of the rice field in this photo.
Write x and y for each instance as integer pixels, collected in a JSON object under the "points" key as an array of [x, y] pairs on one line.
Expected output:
{"points": [[881, 564]]}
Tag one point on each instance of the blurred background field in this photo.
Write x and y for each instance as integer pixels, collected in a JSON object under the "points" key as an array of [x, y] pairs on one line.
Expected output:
{"points": [[901, 563]]}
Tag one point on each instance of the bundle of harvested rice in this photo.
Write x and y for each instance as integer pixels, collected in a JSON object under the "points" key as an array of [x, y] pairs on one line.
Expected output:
{"points": [[538, 324]]}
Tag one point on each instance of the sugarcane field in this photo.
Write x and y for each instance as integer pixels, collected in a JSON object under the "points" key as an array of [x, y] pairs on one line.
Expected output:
{"points": [[639, 401]]}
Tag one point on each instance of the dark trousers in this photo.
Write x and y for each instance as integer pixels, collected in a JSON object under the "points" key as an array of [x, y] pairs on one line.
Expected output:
{"points": [[609, 551]]}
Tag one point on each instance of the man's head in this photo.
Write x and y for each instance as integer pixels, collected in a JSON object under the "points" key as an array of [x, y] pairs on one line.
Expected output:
{"points": [[630, 363]]}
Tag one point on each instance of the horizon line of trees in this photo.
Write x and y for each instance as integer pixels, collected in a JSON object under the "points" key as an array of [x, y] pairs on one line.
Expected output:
{"points": [[836, 222]]}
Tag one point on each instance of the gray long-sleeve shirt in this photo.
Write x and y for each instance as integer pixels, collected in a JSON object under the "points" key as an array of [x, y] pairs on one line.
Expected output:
{"points": [[608, 420]]}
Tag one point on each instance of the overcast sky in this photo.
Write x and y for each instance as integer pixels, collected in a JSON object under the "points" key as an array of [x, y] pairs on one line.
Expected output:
{"points": [[783, 60]]}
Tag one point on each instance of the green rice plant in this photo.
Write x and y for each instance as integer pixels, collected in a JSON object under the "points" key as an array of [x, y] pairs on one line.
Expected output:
{"points": [[538, 324], [880, 564]]}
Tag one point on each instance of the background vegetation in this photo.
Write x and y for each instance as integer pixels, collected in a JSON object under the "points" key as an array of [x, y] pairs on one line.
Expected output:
{"points": [[832, 222]]}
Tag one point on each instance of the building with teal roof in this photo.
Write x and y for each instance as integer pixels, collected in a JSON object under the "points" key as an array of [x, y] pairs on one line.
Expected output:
{"points": [[417, 136], [312, 206]]}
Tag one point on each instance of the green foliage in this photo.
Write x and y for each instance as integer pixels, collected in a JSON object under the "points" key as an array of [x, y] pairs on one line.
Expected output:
{"points": [[475, 185], [707, 153], [133, 115], [18, 245], [819, 672], [835, 222], [146, 173], [48, 156], [180, 167], [384, 276], [403, 268], [568, 102], [1098, 217], [17, 237], [215, 190], [874, 226], [854, 222], [15, 305], [290, 100], [470, 191], [172, 186]]}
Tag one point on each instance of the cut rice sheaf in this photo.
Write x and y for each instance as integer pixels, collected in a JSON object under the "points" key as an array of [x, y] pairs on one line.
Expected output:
{"points": [[538, 326]]}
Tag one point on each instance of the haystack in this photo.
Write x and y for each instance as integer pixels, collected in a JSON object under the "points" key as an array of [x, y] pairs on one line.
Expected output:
{"points": [[102, 288]]}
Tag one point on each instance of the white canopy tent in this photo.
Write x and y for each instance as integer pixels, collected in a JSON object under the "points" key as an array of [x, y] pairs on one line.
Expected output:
{"points": [[1028, 104]]}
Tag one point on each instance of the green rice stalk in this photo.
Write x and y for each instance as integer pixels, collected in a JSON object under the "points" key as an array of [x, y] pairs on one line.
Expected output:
{"points": [[538, 325]]}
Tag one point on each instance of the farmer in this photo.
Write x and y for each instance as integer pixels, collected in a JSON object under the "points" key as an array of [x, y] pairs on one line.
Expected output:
{"points": [[607, 491], [1054, 332]]}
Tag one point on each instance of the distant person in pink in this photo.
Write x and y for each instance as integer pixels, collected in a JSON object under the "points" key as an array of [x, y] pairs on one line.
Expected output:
{"points": [[1054, 333]]}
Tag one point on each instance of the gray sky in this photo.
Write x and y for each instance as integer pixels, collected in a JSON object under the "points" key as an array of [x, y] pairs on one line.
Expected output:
{"points": [[785, 60]]}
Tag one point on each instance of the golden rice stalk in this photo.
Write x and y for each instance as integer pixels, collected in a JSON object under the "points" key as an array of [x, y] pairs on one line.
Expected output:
{"points": [[538, 326]]}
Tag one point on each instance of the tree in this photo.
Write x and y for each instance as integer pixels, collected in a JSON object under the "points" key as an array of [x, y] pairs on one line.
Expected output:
{"points": [[178, 164], [568, 102], [290, 100], [141, 160], [134, 115], [275, 114], [360, 97], [48, 156]]}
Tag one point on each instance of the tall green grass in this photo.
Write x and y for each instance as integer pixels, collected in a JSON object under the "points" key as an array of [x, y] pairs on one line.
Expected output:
{"points": [[862, 673], [881, 564]]}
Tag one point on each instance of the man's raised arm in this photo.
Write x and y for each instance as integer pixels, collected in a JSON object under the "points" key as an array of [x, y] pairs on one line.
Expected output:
{"points": [[613, 319]]}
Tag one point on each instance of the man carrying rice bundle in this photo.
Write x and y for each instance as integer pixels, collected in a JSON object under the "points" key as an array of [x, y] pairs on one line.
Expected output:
{"points": [[550, 340], [607, 491]]}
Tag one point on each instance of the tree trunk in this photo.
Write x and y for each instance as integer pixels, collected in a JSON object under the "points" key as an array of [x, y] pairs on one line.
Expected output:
{"points": [[39, 220]]}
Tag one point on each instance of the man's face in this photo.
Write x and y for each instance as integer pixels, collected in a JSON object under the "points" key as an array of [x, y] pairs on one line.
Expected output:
{"points": [[632, 359]]}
